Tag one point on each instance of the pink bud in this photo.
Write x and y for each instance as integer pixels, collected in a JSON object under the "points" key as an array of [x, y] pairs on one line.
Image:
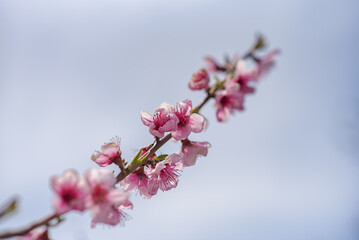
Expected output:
{"points": [[199, 81], [109, 153]]}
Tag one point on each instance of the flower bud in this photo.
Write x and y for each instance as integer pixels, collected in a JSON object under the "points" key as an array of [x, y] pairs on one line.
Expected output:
{"points": [[199, 81]]}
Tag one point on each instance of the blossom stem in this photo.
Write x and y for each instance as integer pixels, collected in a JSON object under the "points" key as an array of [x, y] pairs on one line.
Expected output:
{"points": [[45, 221], [209, 96]]}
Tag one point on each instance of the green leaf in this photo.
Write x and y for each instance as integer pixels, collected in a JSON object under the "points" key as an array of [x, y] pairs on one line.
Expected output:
{"points": [[260, 42], [161, 157], [137, 158], [8, 208]]}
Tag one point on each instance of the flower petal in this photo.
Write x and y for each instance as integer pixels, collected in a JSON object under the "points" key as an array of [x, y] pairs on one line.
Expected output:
{"points": [[196, 122], [181, 133], [146, 118]]}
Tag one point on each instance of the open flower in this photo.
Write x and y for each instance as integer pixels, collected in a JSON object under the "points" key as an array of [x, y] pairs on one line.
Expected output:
{"points": [[70, 190], [163, 120], [165, 175], [188, 121], [106, 203], [140, 181], [228, 100], [244, 76]]}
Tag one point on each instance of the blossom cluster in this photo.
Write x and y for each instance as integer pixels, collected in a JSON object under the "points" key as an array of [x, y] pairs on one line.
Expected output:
{"points": [[96, 191], [162, 172], [230, 92]]}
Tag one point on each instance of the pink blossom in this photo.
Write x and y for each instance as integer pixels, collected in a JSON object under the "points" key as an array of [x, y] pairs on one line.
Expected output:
{"points": [[163, 120], [165, 174], [36, 234], [105, 201], [244, 76], [70, 190], [266, 63], [188, 121], [191, 150], [228, 100], [111, 212], [148, 180], [140, 181], [199, 81], [110, 153]]}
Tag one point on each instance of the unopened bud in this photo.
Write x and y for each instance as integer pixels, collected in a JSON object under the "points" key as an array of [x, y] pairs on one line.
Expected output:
{"points": [[199, 81]]}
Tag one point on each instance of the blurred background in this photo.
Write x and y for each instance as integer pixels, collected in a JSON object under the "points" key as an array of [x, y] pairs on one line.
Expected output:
{"points": [[73, 74]]}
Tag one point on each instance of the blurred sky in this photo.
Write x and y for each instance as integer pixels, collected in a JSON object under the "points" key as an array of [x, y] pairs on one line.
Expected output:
{"points": [[73, 74]]}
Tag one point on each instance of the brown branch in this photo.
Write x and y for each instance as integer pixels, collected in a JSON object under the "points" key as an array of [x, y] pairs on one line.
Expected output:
{"points": [[25, 230]]}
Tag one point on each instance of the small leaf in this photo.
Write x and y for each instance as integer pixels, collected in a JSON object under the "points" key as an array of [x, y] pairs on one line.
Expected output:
{"points": [[260, 43], [137, 158], [161, 157], [8, 207]]}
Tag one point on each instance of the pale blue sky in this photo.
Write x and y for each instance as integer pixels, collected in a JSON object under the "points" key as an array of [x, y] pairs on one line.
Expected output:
{"points": [[73, 74]]}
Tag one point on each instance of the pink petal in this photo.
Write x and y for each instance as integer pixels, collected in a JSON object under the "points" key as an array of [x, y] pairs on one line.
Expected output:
{"points": [[173, 158], [130, 183], [59, 205], [241, 67], [181, 133], [101, 159], [196, 122], [146, 118], [147, 189], [156, 133], [187, 106], [191, 152], [167, 107], [170, 125], [106, 214], [157, 169], [111, 149], [103, 177], [222, 115], [152, 188], [117, 196]]}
